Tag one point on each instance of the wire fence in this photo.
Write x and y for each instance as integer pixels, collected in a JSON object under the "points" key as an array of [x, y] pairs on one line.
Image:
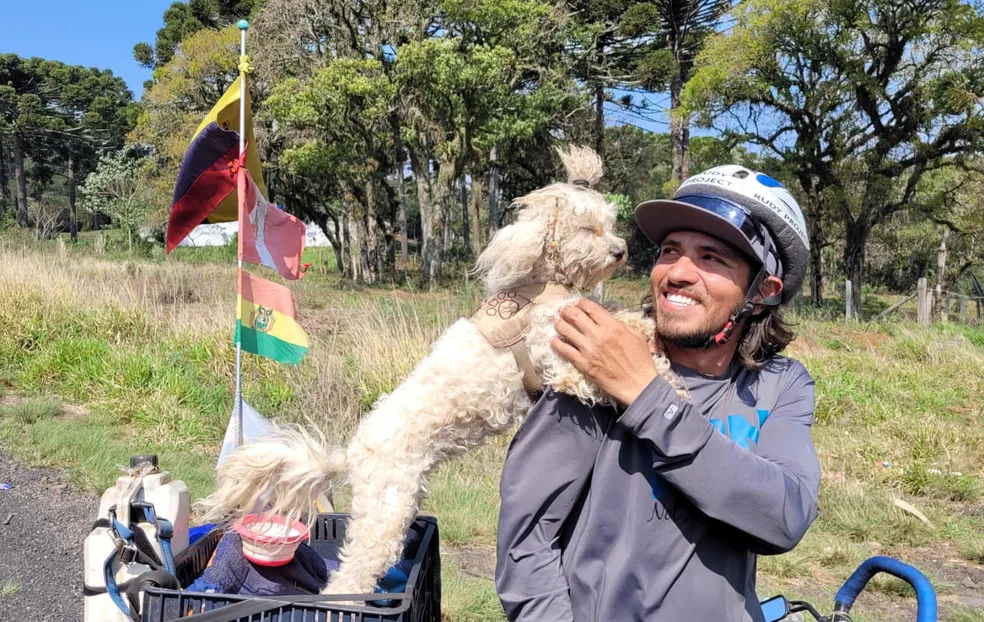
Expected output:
{"points": [[932, 305]]}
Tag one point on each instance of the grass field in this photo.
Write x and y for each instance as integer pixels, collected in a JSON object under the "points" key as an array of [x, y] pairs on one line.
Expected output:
{"points": [[102, 359]]}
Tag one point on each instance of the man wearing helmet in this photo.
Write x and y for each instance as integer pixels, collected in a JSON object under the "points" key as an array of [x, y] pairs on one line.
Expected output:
{"points": [[657, 510]]}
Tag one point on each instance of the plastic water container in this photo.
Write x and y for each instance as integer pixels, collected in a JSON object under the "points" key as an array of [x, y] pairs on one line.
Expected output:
{"points": [[171, 501]]}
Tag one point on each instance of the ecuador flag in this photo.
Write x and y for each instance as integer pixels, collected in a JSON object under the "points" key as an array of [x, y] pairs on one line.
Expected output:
{"points": [[266, 323], [204, 189]]}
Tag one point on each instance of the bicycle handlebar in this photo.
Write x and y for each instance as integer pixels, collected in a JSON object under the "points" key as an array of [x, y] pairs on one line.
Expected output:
{"points": [[925, 594]]}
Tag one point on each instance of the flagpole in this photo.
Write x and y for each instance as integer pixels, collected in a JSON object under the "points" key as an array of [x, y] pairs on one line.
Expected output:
{"points": [[238, 410]]}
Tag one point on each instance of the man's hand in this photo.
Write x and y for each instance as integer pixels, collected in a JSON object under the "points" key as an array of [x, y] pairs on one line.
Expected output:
{"points": [[606, 351]]}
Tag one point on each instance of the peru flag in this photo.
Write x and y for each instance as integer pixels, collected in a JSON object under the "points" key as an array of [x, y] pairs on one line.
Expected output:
{"points": [[269, 236]]}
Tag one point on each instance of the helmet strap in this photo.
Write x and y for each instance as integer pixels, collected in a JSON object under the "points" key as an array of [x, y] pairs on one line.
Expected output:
{"points": [[724, 334], [748, 305]]}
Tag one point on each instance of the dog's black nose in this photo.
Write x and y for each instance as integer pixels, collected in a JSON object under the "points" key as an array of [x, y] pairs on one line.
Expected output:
{"points": [[618, 252]]}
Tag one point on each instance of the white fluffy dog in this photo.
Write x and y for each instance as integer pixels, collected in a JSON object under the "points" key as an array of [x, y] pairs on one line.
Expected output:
{"points": [[463, 392]]}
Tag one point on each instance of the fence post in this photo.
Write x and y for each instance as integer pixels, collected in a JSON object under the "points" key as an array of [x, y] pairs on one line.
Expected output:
{"points": [[946, 308], [922, 314], [963, 309], [847, 299]]}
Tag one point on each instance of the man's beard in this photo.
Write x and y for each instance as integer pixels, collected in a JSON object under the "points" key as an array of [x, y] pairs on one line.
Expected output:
{"points": [[698, 338]]}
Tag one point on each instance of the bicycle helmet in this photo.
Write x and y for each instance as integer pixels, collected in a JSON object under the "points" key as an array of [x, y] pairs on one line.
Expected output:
{"points": [[748, 209]]}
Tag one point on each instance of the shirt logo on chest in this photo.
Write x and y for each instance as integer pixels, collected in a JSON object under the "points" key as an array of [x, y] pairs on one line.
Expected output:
{"points": [[738, 429], [735, 427]]}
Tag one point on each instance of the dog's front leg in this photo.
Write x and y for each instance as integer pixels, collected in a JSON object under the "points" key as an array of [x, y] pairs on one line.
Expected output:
{"points": [[458, 396]]}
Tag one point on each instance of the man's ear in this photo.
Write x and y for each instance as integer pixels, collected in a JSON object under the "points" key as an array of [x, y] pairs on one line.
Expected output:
{"points": [[770, 287]]}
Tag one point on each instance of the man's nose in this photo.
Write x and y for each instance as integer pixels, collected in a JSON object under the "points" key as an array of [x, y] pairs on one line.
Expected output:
{"points": [[682, 270]]}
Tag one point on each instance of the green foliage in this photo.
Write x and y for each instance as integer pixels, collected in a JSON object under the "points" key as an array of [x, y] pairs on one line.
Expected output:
{"points": [[30, 411], [623, 205], [116, 188], [862, 101], [183, 19]]}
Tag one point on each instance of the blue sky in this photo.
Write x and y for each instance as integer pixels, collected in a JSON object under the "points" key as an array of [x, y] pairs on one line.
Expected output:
{"points": [[94, 33]]}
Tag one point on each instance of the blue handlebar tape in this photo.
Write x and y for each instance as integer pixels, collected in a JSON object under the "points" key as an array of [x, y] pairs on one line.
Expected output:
{"points": [[925, 594]]}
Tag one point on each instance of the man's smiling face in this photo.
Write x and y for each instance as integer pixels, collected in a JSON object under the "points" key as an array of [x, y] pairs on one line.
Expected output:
{"points": [[698, 283]]}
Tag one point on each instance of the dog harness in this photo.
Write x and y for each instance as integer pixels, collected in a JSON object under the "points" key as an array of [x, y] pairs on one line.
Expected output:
{"points": [[503, 319]]}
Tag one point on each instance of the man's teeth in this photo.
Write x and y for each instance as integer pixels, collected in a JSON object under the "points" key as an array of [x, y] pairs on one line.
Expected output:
{"points": [[681, 300]]}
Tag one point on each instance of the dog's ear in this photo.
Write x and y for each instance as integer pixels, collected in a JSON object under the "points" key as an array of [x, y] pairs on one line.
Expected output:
{"points": [[512, 253]]}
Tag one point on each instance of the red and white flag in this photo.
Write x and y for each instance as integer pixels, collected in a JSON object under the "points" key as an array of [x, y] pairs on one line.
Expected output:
{"points": [[270, 236]]}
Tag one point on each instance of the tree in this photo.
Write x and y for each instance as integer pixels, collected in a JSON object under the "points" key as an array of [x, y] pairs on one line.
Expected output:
{"points": [[56, 118], [469, 79], [183, 19], [116, 188], [345, 144], [860, 99], [681, 26], [608, 47], [98, 111], [28, 117]]}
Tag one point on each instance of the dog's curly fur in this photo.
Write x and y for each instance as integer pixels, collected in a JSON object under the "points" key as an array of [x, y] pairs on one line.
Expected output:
{"points": [[462, 393]]}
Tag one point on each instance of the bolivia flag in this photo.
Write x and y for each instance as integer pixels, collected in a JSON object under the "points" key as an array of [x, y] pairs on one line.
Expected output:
{"points": [[270, 237], [266, 323]]}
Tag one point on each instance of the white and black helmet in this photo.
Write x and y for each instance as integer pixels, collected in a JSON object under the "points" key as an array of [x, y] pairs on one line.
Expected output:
{"points": [[731, 202]]}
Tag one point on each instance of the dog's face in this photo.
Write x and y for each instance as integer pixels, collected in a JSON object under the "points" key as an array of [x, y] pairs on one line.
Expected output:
{"points": [[563, 233], [587, 249]]}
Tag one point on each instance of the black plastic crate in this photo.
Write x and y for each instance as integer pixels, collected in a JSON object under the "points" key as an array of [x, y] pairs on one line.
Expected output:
{"points": [[420, 602]]}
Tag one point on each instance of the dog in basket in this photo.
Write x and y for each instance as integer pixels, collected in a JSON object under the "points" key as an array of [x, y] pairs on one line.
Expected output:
{"points": [[480, 379]]}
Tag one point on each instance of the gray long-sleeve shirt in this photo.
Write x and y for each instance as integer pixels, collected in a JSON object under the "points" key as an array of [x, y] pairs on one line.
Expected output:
{"points": [[657, 512]]}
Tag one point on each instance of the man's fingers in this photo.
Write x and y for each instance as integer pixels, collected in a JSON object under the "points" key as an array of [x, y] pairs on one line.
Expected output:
{"points": [[570, 333], [577, 318], [594, 310], [567, 351]]}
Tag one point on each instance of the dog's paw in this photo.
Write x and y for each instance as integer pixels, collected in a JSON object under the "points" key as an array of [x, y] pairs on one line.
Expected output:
{"points": [[570, 381]]}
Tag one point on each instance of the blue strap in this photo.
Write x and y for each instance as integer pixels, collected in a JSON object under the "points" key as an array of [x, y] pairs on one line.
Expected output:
{"points": [[164, 533], [166, 546], [110, 578], [126, 535]]}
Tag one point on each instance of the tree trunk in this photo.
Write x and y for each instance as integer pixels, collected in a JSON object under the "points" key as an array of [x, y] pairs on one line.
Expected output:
{"points": [[348, 270], [371, 245], [475, 215], [4, 182], [21, 180], [493, 192], [73, 223], [679, 129], [399, 159], [446, 227], [465, 221], [599, 120], [337, 246], [854, 245], [940, 268], [816, 263], [430, 250]]}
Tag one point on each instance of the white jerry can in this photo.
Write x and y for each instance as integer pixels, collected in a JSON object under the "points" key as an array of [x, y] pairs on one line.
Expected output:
{"points": [[144, 484]]}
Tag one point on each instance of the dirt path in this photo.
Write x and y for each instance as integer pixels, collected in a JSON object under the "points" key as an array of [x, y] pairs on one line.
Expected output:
{"points": [[41, 556]]}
